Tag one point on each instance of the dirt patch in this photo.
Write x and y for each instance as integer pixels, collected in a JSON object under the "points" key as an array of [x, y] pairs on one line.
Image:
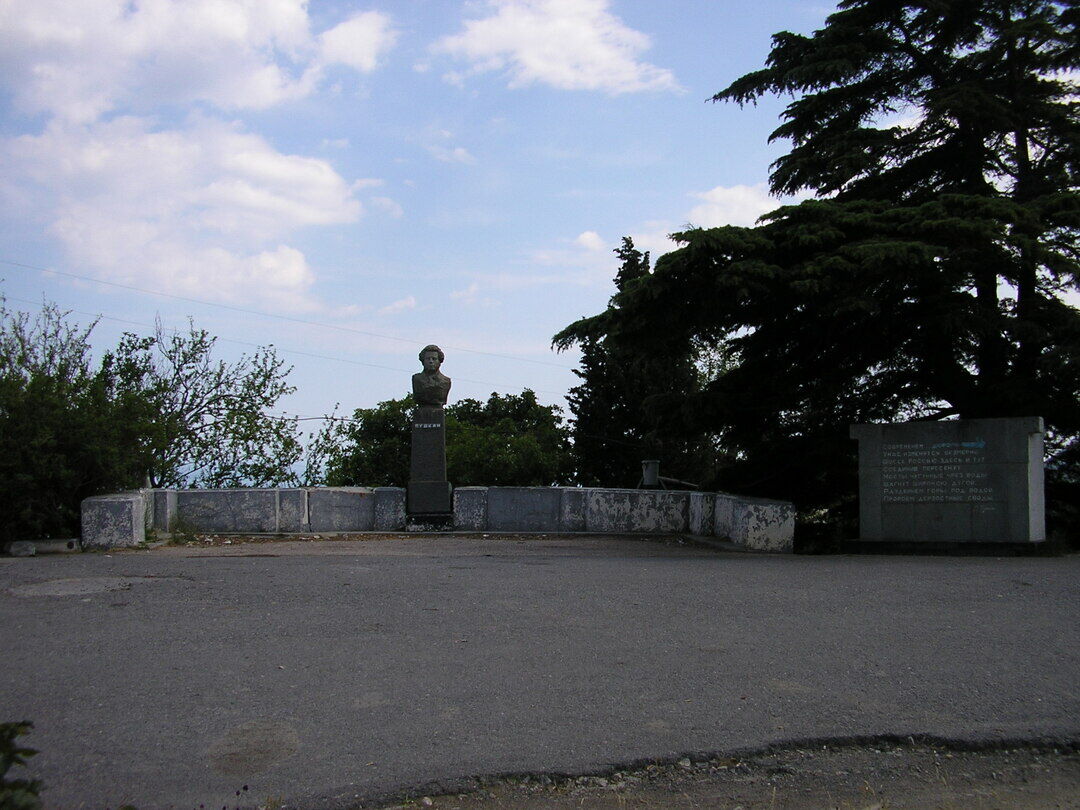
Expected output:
{"points": [[858, 777]]}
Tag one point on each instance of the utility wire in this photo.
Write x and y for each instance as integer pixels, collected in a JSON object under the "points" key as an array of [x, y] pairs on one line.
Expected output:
{"points": [[288, 351], [271, 314]]}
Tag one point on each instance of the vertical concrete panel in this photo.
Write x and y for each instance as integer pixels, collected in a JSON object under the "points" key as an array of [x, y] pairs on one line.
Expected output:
{"points": [[724, 515], [113, 521], [572, 510], [966, 480], [764, 525], [164, 509], [470, 509], [701, 508], [228, 510], [341, 509], [389, 509], [636, 511], [293, 511], [523, 509]]}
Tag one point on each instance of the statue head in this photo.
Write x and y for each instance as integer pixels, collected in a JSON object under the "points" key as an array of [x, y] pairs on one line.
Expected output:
{"points": [[431, 356]]}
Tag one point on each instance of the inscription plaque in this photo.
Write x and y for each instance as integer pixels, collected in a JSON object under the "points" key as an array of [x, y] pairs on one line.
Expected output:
{"points": [[969, 480]]}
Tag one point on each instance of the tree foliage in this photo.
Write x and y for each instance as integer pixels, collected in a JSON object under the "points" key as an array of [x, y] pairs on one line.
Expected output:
{"points": [[66, 431], [17, 793], [157, 408], [208, 422], [942, 140], [614, 427], [510, 440]]}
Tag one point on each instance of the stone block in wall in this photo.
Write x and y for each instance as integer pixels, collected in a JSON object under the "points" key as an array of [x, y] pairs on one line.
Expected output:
{"points": [[164, 510], [341, 509], [523, 509], [724, 514], [293, 511], [650, 511], [113, 521], [148, 510], [228, 510], [470, 509], [763, 525], [389, 509], [572, 510], [700, 519]]}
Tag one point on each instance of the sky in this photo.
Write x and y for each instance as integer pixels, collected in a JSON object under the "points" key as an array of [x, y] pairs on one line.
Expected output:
{"points": [[350, 181]]}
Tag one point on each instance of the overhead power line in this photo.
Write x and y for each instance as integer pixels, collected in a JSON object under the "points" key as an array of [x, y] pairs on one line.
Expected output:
{"points": [[288, 318], [290, 351]]}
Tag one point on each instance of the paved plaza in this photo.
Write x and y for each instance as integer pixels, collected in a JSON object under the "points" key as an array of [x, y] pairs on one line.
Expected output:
{"points": [[319, 674]]}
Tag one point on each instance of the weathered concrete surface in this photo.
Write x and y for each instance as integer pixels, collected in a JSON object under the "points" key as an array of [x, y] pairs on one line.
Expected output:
{"points": [[572, 510], [470, 509], [317, 672], [637, 510], [164, 501], [341, 509], [523, 509], [114, 521], [701, 508], [226, 510], [389, 509], [294, 512], [763, 525]]}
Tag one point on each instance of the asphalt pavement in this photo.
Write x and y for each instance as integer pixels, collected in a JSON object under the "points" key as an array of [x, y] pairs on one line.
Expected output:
{"points": [[318, 675]]}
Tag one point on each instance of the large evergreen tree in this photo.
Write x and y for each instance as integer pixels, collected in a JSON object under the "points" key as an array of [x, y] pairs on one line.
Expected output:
{"points": [[615, 426], [942, 139]]}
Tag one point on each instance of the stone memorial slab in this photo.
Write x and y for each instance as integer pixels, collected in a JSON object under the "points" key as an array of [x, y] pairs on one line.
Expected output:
{"points": [[967, 480]]}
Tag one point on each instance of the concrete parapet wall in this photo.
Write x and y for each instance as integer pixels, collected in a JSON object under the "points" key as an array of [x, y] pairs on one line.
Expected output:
{"points": [[652, 511], [763, 525], [389, 509], [749, 522], [341, 509], [523, 509], [470, 509], [228, 510], [112, 521]]}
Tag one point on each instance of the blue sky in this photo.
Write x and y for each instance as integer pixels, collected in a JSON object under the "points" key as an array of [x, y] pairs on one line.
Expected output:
{"points": [[349, 181]]}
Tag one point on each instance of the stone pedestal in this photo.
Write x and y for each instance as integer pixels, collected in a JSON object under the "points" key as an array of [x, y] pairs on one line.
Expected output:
{"points": [[429, 493]]}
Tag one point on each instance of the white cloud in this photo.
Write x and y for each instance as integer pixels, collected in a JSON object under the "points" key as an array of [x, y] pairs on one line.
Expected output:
{"points": [[200, 211], [80, 60], [590, 240], [652, 238], [567, 44], [359, 41], [407, 303], [732, 205], [456, 154], [388, 206]]}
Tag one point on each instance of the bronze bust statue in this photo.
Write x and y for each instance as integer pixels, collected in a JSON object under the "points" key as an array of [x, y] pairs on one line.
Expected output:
{"points": [[429, 386]]}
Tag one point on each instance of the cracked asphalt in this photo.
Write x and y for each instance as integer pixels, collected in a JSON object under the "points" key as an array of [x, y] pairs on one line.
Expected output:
{"points": [[324, 674]]}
